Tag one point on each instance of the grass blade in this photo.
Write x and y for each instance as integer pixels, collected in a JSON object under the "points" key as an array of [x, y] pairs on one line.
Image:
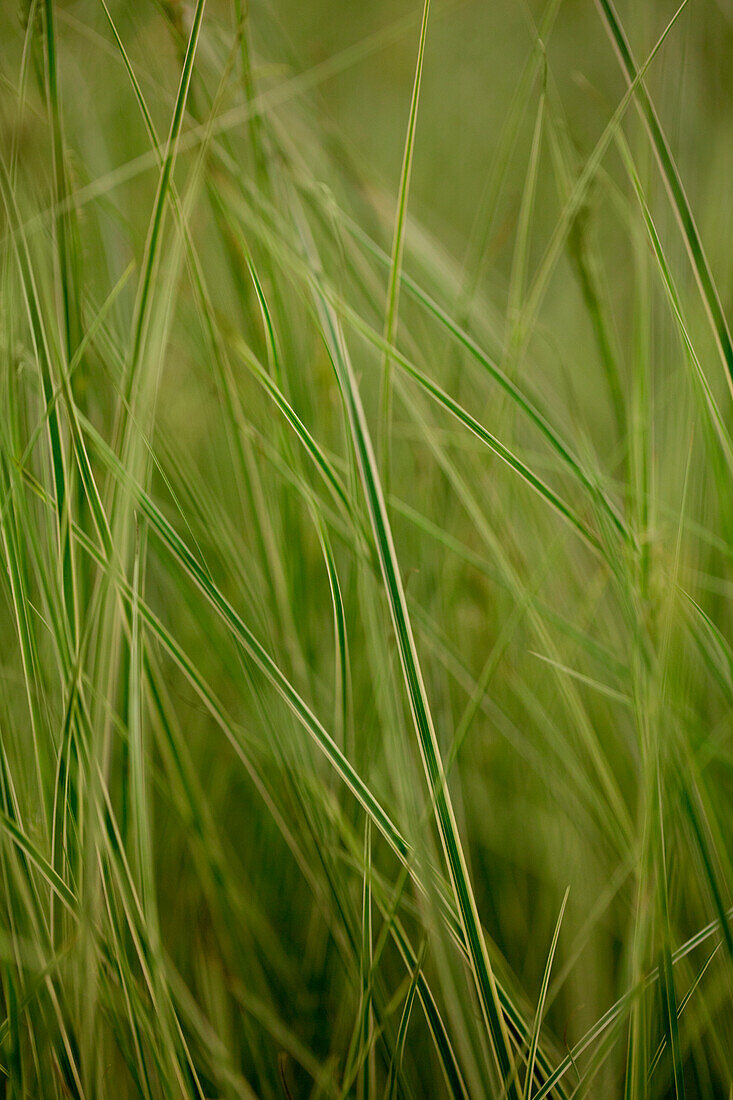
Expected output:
{"points": [[532, 1056], [398, 245], [481, 967], [674, 186]]}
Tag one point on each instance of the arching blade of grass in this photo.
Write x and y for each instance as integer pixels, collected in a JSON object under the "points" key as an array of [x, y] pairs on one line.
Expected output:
{"points": [[532, 1056], [442, 398], [595, 685], [393, 1077], [460, 881], [438, 394], [673, 183], [398, 244], [716, 417]]}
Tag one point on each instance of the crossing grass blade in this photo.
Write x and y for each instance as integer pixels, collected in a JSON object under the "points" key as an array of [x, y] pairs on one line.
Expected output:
{"points": [[395, 1065], [154, 239], [532, 1055], [527, 405], [36, 857], [453, 851], [675, 188]]}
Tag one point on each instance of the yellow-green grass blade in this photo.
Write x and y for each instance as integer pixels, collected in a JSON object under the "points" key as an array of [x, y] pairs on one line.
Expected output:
{"points": [[398, 245]]}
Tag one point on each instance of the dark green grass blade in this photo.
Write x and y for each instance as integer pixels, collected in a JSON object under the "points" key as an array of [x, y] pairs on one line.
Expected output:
{"points": [[395, 1066], [681, 1008]]}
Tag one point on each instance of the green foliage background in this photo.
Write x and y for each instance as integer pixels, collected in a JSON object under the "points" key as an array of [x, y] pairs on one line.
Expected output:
{"points": [[366, 679]]}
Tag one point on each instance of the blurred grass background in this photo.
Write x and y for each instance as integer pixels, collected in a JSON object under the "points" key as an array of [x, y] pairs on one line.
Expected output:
{"points": [[305, 506]]}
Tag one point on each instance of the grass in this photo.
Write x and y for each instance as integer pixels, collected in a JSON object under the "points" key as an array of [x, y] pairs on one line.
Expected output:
{"points": [[366, 692]]}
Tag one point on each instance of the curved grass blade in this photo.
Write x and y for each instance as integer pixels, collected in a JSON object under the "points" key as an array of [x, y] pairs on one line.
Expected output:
{"points": [[673, 183], [537, 1027], [441, 397], [481, 969], [254, 649], [395, 270], [395, 1065], [711, 404]]}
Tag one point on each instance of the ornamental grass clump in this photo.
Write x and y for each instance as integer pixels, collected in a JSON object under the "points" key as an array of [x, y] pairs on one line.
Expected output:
{"points": [[366, 526]]}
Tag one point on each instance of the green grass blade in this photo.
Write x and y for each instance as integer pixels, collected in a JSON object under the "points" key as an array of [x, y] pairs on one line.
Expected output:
{"points": [[155, 231], [396, 1063], [537, 1026], [673, 183], [481, 967], [398, 245]]}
